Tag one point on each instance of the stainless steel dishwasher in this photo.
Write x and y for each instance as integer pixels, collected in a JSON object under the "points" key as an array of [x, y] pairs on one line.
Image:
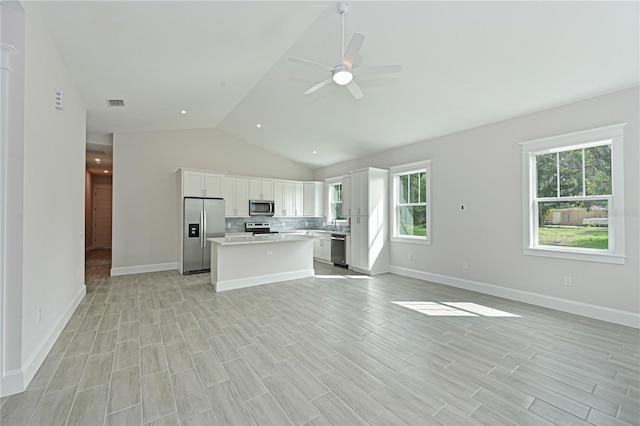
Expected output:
{"points": [[339, 249]]}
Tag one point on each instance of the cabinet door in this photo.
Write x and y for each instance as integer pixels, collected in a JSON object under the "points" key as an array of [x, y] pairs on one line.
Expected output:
{"points": [[229, 195], [267, 190], [278, 197], [192, 184], [298, 196], [255, 189], [327, 249], [312, 193], [359, 242], [346, 196], [212, 185], [287, 199], [242, 197]]}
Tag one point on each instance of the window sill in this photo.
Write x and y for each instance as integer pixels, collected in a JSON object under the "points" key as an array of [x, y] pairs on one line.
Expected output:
{"points": [[422, 241], [575, 255]]}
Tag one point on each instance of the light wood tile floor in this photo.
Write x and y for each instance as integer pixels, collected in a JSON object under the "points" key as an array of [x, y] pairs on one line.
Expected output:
{"points": [[161, 348]]}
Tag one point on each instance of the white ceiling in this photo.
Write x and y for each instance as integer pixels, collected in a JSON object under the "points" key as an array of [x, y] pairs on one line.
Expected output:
{"points": [[464, 64]]}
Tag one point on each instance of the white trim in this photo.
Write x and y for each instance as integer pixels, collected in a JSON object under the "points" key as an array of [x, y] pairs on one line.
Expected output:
{"points": [[31, 365], [141, 269], [405, 169], [16, 381], [12, 383], [262, 279], [576, 140], [548, 251], [603, 313]]}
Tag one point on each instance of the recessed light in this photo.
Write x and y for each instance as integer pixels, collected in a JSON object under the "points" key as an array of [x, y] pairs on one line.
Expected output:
{"points": [[97, 160], [183, 111], [259, 125], [106, 171], [314, 152]]}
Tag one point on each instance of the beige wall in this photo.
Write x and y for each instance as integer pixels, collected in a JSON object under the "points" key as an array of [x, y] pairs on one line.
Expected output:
{"points": [[481, 168], [145, 228]]}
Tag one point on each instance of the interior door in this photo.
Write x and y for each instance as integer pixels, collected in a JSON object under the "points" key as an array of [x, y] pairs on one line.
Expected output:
{"points": [[101, 216]]}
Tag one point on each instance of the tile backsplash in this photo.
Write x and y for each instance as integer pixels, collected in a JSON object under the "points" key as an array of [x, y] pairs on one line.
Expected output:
{"points": [[277, 223]]}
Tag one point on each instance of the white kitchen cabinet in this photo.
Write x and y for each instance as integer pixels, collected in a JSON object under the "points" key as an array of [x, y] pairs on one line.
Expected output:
{"points": [[322, 246], [260, 189], [369, 245], [235, 192], [197, 183], [288, 198], [312, 199]]}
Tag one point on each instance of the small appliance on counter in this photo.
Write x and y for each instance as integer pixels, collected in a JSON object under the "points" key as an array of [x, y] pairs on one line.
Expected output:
{"points": [[258, 228], [203, 218]]}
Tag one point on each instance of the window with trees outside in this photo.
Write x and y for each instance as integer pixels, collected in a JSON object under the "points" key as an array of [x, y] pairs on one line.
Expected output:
{"points": [[410, 202], [335, 195], [571, 181]]}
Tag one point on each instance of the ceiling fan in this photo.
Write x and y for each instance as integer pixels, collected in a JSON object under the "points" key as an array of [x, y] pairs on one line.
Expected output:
{"points": [[343, 73]]}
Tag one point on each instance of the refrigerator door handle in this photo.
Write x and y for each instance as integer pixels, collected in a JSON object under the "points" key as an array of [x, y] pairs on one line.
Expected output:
{"points": [[202, 232], [204, 229]]}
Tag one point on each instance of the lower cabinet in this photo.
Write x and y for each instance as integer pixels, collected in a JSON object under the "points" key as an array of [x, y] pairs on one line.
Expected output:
{"points": [[322, 247]]}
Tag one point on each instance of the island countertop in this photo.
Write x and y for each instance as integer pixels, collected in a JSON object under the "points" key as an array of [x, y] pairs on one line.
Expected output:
{"points": [[257, 239]]}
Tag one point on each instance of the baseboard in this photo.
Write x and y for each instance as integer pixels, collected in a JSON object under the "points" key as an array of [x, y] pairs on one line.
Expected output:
{"points": [[12, 383], [224, 285], [141, 269], [603, 313], [17, 381]]}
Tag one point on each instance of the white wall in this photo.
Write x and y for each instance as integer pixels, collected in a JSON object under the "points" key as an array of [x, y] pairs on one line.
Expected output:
{"points": [[481, 167], [11, 196], [144, 186], [53, 198]]}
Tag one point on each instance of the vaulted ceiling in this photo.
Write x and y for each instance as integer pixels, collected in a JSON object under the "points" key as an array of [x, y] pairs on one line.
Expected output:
{"points": [[225, 63]]}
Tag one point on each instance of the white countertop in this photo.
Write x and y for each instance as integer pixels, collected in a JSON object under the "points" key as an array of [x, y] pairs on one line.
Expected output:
{"points": [[257, 239], [318, 231]]}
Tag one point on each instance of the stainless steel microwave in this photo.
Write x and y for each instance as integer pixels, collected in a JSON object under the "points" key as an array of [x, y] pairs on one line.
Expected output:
{"points": [[261, 207]]}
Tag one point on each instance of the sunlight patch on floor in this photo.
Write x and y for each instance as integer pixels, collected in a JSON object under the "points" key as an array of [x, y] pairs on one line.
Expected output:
{"points": [[454, 309]]}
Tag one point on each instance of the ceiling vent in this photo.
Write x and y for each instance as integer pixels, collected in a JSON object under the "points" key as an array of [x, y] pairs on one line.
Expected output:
{"points": [[115, 102]]}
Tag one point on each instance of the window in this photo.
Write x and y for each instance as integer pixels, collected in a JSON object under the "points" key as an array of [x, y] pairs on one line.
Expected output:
{"points": [[410, 203], [569, 203], [335, 195]]}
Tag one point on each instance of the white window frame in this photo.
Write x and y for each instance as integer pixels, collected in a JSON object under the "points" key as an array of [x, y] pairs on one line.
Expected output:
{"points": [[395, 172], [576, 140], [329, 184]]}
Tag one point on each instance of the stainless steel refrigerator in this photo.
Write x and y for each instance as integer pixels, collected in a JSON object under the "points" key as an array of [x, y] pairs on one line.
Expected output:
{"points": [[203, 218]]}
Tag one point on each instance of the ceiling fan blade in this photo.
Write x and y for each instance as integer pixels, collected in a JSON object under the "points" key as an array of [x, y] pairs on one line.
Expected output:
{"points": [[310, 63], [318, 86], [351, 54], [377, 69], [355, 89]]}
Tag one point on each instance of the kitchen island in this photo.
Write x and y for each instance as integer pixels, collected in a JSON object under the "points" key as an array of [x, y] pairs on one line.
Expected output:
{"points": [[250, 260]]}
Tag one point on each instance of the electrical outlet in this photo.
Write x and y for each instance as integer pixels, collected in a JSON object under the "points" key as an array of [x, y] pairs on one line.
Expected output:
{"points": [[465, 265], [410, 256], [567, 281], [38, 314]]}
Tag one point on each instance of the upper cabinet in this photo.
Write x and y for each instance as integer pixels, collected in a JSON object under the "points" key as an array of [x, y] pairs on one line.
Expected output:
{"points": [[261, 189], [312, 199], [236, 196], [197, 183], [288, 197]]}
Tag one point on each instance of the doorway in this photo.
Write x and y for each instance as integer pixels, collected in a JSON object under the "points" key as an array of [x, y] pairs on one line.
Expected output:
{"points": [[101, 226]]}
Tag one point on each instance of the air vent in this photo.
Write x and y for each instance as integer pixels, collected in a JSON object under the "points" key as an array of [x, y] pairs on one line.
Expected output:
{"points": [[115, 102]]}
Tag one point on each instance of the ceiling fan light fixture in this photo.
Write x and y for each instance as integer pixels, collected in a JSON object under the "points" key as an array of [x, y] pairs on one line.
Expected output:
{"points": [[342, 76]]}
